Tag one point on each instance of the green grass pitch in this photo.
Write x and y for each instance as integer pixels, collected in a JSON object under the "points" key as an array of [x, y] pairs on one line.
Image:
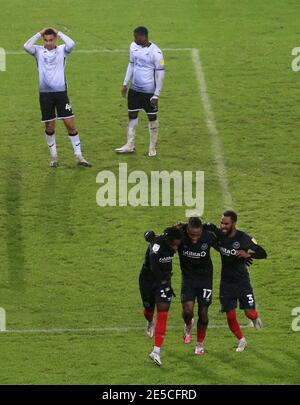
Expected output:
{"points": [[66, 263]]}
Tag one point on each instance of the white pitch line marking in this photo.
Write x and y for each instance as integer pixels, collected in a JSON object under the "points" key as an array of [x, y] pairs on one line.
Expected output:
{"points": [[210, 120], [121, 329], [105, 51], [211, 125]]}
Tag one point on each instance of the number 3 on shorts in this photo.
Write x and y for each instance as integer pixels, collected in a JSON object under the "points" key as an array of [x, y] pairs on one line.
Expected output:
{"points": [[250, 299]]}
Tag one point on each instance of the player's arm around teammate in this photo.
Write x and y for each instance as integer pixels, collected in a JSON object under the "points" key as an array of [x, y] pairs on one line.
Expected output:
{"points": [[237, 248], [197, 278], [155, 285]]}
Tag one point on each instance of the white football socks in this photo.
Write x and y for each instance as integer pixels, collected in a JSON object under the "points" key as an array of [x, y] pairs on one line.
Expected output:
{"points": [[153, 131], [131, 132], [51, 142], [156, 349], [75, 140]]}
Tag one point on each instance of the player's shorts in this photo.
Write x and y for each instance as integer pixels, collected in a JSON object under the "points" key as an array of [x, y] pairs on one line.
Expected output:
{"points": [[55, 106], [233, 292], [138, 101], [197, 289], [152, 294]]}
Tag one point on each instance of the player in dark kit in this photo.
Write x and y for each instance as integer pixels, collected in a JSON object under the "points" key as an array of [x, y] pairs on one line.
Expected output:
{"points": [[155, 284], [197, 278], [234, 246]]}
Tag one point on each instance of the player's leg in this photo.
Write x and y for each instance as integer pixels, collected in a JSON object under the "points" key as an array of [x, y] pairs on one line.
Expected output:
{"points": [[163, 301], [247, 303], [47, 106], [134, 106], [160, 331], [147, 293], [255, 318], [51, 142], [228, 300], [153, 132], [188, 317], [202, 324], [188, 296], [129, 146], [236, 330], [65, 113], [75, 141], [152, 123], [204, 299]]}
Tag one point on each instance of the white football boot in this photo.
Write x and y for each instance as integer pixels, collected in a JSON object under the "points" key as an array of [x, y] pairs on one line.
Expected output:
{"points": [[242, 345], [187, 333], [199, 349], [125, 149], [81, 161], [131, 132], [155, 357], [152, 152], [257, 323], [54, 162]]}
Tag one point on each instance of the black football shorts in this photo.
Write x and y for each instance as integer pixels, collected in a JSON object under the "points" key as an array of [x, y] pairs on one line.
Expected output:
{"points": [[55, 106], [197, 289], [233, 292], [152, 294], [138, 101]]}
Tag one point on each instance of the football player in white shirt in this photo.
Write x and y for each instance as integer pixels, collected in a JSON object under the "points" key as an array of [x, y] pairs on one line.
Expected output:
{"points": [[146, 73], [54, 101]]}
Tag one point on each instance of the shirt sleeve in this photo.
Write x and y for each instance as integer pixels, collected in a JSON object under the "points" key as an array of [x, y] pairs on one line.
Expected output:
{"points": [[131, 58], [214, 241], [159, 81], [129, 71], [69, 43], [159, 62], [258, 252], [30, 46], [159, 67], [155, 264], [212, 228]]}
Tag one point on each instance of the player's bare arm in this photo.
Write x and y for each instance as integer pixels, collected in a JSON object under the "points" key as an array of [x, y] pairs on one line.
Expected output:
{"points": [[124, 90]]}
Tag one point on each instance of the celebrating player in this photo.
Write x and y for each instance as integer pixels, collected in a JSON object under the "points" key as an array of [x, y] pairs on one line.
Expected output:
{"points": [[155, 284], [51, 60], [146, 73], [197, 278], [234, 246]]}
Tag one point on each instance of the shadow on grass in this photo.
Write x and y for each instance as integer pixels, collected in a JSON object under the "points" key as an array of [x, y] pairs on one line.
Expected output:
{"points": [[14, 232]]}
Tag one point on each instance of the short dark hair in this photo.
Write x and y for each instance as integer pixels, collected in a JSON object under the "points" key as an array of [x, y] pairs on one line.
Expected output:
{"points": [[195, 222], [230, 214], [50, 31], [172, 234], [141, 31]]}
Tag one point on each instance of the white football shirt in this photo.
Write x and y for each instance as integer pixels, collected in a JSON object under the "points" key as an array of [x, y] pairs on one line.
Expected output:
{"points": [[51, 64], [145, 60], [51, 67]]}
